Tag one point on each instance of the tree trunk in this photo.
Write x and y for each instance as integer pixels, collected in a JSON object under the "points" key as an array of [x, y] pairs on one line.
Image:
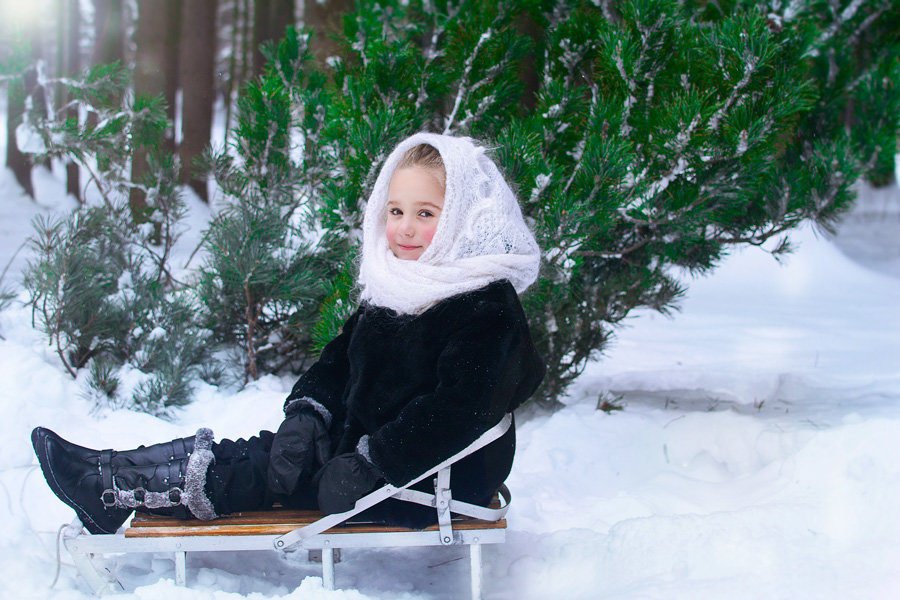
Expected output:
{"points": [[150, 61], [19, 163], [235, 62], [261, 9], [324, 19], [197, 71], [528, 75], [109, 44], [69, 66], [270, 19], [17, 92], [246, 40], [281, 14], [173, 37]]}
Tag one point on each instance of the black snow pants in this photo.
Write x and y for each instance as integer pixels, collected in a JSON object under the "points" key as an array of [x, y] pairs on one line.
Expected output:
{"points": [[236, 482]]}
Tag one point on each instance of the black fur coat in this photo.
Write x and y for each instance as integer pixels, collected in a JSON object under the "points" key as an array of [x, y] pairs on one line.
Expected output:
{"points": [[423, 387]]}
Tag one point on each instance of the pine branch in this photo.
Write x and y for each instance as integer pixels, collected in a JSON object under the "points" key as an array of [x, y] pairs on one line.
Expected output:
{"points": [[432, 51], [631, 80], [618, 254], [359, 44], [750, 65], [631, 84], [251, 316], [839, 21], [463, 91], [853, 40]]}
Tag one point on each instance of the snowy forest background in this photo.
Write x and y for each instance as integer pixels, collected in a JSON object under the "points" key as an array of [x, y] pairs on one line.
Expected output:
{"points": [[663, 152]]}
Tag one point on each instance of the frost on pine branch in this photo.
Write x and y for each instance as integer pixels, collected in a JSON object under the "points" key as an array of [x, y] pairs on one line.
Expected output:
{"points": [[109, 128]]}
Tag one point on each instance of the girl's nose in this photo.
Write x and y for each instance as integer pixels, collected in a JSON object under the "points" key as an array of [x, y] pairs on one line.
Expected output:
{"points": [[406, 229]]}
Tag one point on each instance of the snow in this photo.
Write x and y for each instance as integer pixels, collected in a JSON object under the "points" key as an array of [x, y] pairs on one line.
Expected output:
{"points": [[755, 455]]}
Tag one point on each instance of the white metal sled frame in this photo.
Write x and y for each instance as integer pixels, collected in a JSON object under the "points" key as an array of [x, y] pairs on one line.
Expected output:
{"points": [[480, 525]]}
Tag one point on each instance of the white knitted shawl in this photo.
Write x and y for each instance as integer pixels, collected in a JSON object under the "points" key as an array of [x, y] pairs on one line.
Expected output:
{"points": [[481, 236]]}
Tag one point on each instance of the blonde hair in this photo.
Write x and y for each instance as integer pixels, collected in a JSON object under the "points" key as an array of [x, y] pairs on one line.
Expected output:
{"points": [[427, 157]]}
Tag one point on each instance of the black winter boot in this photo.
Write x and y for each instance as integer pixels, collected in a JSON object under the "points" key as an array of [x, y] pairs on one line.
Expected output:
{"points": [[104, 486]]}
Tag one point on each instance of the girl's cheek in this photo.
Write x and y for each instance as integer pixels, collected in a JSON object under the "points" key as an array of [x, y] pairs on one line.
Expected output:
{"points": [[428, 233]]}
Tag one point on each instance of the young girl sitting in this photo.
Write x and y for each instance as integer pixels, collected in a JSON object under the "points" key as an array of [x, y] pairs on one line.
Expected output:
{"points": [[437, 352]]}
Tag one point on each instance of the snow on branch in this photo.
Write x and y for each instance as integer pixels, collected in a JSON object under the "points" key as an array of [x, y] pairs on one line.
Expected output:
{"points": [[463, 90], [578, 152], [853, 40], [679, 167], [359, 44], [845, 15], [432, 51], [737, 91], [572, 55], [630, 83]]}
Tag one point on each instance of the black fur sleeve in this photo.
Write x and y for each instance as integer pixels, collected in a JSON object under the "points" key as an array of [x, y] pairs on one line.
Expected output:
{"points": [[325, 380], [482, 369]]}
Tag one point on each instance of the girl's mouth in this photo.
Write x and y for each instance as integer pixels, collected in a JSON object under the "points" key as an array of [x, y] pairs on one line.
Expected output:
{"points": [[403, 247]]}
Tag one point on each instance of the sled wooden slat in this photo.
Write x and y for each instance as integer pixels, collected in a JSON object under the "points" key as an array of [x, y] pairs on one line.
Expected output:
{"points": [[257, 524], [276, 521], [290, 530], [141, 523]]}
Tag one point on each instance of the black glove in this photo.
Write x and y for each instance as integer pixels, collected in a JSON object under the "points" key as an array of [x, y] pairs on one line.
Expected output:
{"points": [[343, 480], [300, 447]]}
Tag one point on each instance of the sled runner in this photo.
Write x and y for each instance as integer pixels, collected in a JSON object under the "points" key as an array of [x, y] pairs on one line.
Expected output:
{"points": [[459, 523]]}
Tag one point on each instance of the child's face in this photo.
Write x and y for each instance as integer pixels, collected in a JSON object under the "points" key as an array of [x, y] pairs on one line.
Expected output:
{"points": [[415, 201]]}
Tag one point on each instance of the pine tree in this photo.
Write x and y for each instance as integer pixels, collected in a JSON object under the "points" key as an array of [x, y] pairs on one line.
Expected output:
{"points": [[98, 292], [100, 284], [263, 279], [660, 135], [665, 136]]}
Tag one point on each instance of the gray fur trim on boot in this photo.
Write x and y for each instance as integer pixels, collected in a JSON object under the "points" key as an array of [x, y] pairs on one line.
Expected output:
{"points": [[195, 497]]}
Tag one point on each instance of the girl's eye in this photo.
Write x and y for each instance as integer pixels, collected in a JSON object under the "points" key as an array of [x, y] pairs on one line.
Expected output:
{"points": [[425, 213], [394, 211]]}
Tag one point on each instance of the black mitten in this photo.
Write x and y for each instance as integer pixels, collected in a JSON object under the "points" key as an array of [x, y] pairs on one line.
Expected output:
{"points": [[343, 480], [301, 446]]}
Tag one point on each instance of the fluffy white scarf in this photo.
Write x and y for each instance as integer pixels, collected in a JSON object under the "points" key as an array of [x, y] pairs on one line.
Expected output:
{"points": [[481, 236]]}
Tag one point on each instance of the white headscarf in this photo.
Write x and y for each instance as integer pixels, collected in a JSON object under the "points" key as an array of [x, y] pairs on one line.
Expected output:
{"points": [[481, 236]]}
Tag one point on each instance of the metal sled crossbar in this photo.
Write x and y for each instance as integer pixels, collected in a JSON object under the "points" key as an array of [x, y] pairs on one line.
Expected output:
{"points": [[459, 523]]}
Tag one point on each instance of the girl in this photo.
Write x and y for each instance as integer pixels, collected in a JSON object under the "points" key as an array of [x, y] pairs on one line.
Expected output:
{"points": [[437, 352]]}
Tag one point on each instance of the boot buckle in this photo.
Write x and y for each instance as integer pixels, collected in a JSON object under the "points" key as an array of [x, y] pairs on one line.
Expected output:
{"points": [[175, 495], [108, 497]]}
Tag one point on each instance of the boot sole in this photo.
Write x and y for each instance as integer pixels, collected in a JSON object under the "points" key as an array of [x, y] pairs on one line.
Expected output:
{"points": [[40, 439]]}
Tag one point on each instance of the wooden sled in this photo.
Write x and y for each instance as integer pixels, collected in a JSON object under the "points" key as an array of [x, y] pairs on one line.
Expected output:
{"points": [[459, 524]]}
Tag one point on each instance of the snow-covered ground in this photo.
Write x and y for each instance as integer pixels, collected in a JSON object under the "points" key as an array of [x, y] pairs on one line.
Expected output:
{"points": [[756, 455]]}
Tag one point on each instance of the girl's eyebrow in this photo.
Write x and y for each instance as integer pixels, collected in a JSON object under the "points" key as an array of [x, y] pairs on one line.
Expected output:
{"points": [[420, 204]]}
